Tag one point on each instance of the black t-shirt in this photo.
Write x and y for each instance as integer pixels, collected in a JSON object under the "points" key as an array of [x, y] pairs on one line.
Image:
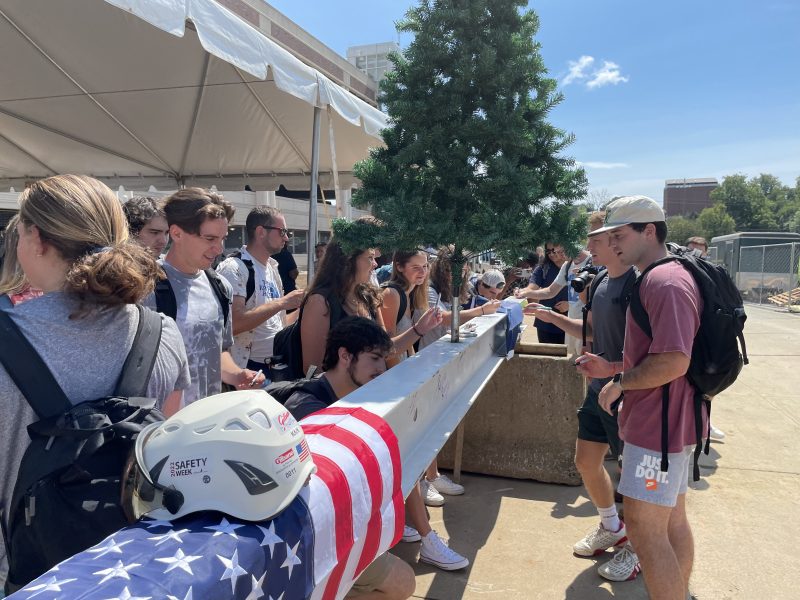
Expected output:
{"points": [[303, 403], [286, 265]]}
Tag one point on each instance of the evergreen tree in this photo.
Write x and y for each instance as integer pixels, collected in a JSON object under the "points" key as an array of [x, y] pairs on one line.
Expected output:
{"points": [[470, 158]]}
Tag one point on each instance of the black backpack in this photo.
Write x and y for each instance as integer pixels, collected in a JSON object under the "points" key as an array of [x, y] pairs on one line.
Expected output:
{"points": [[251, 273], [283, 390], [165, 295], [67, 496], [716, 359], [623, 301], [287, 348]]}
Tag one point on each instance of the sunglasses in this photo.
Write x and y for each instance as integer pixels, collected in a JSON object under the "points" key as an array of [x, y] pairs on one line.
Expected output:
{"points": [[499, 286], [284, 232]]}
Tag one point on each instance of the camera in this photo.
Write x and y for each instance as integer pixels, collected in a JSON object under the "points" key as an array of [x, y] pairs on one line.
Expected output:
{"points": [[584, 278]]}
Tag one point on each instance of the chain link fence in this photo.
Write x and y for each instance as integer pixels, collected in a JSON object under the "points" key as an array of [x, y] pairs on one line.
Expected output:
{"points": [[769, 274]]}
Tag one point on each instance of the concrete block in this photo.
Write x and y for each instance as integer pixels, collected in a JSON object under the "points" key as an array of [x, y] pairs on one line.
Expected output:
{"points": [[524, 423]]}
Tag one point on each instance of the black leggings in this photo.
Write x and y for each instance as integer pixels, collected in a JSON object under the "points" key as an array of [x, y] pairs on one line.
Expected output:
{"points": [[549, 337]]}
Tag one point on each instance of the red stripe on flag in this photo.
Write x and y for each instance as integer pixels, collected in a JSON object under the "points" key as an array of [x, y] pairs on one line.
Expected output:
{"points": [[372, 470], [333, 477], [383, 429]]}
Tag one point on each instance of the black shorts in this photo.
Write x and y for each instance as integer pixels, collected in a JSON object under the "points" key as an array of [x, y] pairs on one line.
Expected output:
{"points": [[596, 425]]}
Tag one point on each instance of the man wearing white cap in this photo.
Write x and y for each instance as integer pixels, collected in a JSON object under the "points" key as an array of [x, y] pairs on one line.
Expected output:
{"points": [[655, 500]]}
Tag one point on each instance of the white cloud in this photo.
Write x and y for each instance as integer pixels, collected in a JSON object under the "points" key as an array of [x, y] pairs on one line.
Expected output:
{"points": [[583, 70], [604, 165], [577, 69], [608, 74]]}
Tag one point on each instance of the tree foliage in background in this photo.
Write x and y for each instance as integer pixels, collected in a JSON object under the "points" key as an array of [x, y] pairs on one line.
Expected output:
{"points": [[470, 158], [761, 203]]}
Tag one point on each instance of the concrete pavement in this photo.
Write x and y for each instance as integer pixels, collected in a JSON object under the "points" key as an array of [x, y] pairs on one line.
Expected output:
{"points": [[745, 512]]}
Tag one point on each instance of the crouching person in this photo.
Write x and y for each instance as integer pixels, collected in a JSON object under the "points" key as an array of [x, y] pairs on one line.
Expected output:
{"points": [[354, 355]]}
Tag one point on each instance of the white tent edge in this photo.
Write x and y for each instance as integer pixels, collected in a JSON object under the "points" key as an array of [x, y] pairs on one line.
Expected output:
{"points": [[227, 37]]}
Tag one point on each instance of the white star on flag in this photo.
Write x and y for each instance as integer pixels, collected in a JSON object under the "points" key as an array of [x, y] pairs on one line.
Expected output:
{"points": [[125, 594], [157, 523], [170, 535], [179, 561], [270, 537], [51, 584], [118, 570], [225, 527], [291, 558], [256, 592], [278, 598], [188, 595], [108, 547], [232, 569]]}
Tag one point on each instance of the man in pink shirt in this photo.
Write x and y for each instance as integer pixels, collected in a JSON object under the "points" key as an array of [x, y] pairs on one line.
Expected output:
{"points": [[655, 500]]}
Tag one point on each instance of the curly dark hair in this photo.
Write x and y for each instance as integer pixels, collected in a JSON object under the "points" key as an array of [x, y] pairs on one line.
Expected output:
{"points": [[356, 335], [140, 210]]}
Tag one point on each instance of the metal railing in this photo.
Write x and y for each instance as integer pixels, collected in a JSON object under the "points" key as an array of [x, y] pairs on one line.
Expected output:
{"points": [[769, 274]]}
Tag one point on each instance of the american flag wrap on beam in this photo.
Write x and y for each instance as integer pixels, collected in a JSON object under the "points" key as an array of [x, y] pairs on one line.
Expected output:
{"points": [[351, 512]]}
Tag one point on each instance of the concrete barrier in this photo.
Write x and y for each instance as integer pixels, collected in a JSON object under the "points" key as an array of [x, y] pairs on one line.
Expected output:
{"points": [[524, 422]]}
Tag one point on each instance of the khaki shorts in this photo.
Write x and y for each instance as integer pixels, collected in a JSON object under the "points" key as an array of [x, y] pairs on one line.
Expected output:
{"points": [[373, 576]]}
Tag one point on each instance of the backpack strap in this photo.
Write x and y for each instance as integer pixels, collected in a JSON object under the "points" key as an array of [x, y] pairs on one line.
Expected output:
{"points": [[221, 292], [251, 274], [165, 296], [29, 372], [401, 310], [142, 357], [588, 306]]}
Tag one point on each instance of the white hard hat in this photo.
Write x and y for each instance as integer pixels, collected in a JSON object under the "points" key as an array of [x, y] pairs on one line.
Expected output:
{"points": [[240, 453]]}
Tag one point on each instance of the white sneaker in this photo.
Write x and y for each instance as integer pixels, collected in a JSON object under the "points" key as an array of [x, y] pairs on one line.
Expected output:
{"points": [[717, 434], [444, 485], [623, 567], [410, 534], [599, 540], [434, 550], [429, 494]]}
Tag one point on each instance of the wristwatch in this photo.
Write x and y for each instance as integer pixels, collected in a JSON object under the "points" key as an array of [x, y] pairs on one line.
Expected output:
{"points": [[618, 379]]}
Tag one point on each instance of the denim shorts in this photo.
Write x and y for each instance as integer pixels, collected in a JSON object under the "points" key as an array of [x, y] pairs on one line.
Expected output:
{"points": [[642, 478]]}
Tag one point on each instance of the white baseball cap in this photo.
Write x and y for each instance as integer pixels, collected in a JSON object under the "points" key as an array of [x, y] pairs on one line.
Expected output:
{"points": [[493, 279], [630, 209]]}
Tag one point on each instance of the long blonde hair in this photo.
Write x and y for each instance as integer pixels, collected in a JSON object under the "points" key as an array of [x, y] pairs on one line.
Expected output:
{"points": [[82, 220], [419, 293]]}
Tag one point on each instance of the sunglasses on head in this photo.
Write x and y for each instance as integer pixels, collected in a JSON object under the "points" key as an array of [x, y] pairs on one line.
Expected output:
{"points": [[499, 286]]}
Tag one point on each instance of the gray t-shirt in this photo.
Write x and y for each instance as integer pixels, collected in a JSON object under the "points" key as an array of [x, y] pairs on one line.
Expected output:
{"points": [[201, 322], [608, 321], [86, 357]]}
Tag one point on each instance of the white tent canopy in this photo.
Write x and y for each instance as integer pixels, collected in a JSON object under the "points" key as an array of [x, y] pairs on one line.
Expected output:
{"points": [[166, 93]]}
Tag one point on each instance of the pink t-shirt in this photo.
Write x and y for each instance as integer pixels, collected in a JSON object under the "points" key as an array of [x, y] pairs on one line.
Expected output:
{"points": [[673, 302]]}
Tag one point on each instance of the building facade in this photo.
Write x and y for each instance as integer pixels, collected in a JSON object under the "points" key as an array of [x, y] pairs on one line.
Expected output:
{"points": [[688, 197], [373, 59]]}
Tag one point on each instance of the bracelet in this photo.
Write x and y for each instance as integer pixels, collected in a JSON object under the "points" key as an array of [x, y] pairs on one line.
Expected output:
{"points": [[483, 313], [414, 327]]}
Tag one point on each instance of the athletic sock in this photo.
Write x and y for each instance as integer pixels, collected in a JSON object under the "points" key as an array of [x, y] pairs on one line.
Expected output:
{"points": [[609, 518]]}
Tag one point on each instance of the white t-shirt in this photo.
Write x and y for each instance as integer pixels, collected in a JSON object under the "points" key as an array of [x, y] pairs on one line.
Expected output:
{"points": [[257, 343]]}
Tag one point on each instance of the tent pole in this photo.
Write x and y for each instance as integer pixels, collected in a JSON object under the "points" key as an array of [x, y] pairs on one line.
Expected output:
{"points": [[311, 239]]}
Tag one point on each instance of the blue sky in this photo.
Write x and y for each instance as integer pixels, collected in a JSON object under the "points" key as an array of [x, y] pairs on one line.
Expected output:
{"points": [[653, 90]]}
